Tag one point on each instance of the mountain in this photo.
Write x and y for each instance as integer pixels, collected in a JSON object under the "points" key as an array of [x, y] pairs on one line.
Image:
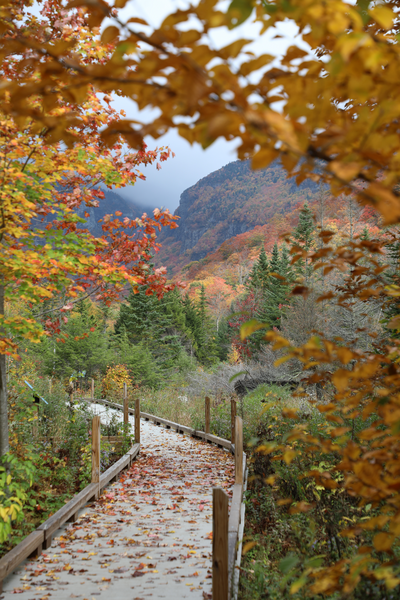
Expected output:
{"points": [[111, 203], [226, 203]]}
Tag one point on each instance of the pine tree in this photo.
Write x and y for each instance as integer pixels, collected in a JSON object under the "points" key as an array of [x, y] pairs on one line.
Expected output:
{"points": [[259, 273], [160, 323], [82, 346], [207, 350], [303, 237], [277, 289]]}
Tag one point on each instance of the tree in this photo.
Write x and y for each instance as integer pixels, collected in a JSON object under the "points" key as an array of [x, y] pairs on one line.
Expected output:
{"points": [[303, 238], [337, 122], [81, 345], [46, 254], [259, 273], [277, 289]]}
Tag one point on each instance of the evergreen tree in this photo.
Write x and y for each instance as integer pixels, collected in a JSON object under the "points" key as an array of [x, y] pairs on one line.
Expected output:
{"points": [[158, 322], [207, 350], [82, 346], [259, 274], [277, 289], [303, 237]]}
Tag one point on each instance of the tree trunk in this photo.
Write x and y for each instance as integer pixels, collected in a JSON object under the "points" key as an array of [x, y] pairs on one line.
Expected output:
{"points": [[4, 446]]}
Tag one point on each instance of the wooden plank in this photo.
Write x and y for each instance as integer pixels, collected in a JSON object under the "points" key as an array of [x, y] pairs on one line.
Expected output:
{"points": [[234, 513], [219, 441], [233, 420], [72, 507], [96, 449], [126, 406], [207, 409], [176, 426], [137, 421], [23, 550], [114, 470], [220, 545], [239, 450], [232, 549], [133, 452]]}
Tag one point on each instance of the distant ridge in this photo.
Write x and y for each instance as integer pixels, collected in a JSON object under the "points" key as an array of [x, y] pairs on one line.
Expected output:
{"points": [[226, 203]]}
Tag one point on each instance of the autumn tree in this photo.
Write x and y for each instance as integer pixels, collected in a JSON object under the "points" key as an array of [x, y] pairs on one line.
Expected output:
{"points": [[335, 121]]}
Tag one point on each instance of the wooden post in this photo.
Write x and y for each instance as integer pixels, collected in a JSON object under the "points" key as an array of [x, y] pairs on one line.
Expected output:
{"points": [[96, 450], [92, 389], [137, 421], [207, 415], [220, 545], [239, 451], [233, 417], [126, 406]]}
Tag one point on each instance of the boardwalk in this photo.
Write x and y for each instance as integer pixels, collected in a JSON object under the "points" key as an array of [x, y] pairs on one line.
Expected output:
{"points": [[148, 536]]}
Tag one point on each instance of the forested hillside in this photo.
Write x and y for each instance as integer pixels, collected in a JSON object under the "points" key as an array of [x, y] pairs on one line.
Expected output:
{"points": [[228, 202], [288, 318]]}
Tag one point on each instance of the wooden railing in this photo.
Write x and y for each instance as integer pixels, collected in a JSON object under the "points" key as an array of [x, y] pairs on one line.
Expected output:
{"points": [[227, 524], [41, 538]]}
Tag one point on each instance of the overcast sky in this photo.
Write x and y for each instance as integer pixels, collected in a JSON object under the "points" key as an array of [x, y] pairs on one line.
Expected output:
{"points": [[191, 163]]}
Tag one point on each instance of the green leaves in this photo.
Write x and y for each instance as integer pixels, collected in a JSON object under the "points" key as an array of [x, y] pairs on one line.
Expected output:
{"points": [[239, 11], [288, 563]]}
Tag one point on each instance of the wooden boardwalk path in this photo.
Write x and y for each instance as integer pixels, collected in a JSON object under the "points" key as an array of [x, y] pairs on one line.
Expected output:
{"points": [[148, 535]]}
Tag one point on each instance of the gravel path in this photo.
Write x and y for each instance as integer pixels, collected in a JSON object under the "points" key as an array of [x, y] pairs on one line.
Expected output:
{"points": [[149, 534]]}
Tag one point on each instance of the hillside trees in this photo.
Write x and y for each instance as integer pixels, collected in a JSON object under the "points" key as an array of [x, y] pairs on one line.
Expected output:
{"points": [[337, 122], [47, 257]]}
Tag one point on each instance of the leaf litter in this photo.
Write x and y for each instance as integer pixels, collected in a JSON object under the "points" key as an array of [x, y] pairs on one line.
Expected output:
{"points": [[159, 511]]}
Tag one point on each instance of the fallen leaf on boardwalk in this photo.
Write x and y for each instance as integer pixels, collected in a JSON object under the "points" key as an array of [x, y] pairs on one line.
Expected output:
{"points": [[138, 573]]}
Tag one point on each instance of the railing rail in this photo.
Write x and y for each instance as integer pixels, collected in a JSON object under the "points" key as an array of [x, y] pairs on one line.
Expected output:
{"points": [[227, 524], [227, 541], [41, 538]]}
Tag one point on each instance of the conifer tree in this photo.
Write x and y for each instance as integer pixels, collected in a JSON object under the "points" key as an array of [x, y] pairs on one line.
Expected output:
{"points": [[259, 273], [277, 289], [303, 237]]}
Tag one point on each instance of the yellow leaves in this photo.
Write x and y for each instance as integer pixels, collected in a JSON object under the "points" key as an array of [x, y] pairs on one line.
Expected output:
{"points": [[109, 34], [385, 202], [340, 379], [383, 15], [224, 124], [289, 455], [345, 170], [250, 327], [256, 63], [349, 43], [383, 542], [248, 546], [264, 157], [345, 355]]}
